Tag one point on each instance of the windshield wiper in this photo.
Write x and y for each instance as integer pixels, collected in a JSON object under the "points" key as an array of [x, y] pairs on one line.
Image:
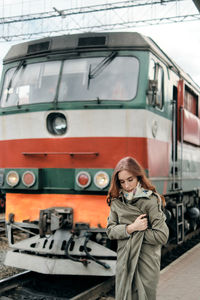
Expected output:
{"points": [[100, 67], [55, 100]]}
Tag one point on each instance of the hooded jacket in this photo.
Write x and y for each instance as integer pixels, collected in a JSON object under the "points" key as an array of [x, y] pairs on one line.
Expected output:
{"points": [[138, 254]]}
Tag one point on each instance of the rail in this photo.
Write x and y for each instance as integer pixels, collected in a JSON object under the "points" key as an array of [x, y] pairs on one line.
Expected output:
{"points": [[32, 285]]}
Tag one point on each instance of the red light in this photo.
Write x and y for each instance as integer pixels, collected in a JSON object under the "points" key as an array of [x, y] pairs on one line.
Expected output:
{"points": [[83, 179], [28, 178]]}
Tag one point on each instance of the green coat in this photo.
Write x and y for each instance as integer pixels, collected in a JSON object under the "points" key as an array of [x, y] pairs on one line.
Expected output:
{"points": [[138, 254]]}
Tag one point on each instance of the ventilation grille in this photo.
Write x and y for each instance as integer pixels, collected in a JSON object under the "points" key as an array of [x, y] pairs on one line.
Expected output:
{"points": [[92, 41], [38, 47]]}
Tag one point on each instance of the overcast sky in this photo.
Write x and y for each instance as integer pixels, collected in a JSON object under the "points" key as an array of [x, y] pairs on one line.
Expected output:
{"points": [[181, 41]]}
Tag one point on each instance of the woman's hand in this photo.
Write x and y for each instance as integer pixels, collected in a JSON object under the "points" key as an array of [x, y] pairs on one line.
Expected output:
{"points": [[139, 224]]}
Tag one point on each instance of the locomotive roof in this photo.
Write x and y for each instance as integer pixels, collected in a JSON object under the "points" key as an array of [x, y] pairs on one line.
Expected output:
{"points": [[101, 40], [88, 41]]}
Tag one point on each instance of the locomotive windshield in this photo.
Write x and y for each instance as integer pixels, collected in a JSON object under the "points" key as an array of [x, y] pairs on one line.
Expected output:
{"points": [[83, 79]]}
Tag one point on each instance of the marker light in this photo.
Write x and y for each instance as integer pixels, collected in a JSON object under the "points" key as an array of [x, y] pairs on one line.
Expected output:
{"points": [[83, 179], [101, 179], [28, 178], [12, 178]]}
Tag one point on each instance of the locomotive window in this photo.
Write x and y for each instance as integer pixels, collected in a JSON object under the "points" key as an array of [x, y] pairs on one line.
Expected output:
{"points": [[160, 93], [190, 101], [156, 73], [31, 83], [44, 82], [117, 80]]}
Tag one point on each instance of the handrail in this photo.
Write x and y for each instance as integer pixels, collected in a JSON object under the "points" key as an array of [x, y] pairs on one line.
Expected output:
{"points": [[60, 153]]}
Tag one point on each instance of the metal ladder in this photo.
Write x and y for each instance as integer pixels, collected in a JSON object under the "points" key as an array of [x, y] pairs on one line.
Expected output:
{"points": [[179, 223]]}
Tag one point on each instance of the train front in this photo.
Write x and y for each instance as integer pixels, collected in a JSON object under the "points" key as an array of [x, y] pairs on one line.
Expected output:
{"points": [[66, 115]]}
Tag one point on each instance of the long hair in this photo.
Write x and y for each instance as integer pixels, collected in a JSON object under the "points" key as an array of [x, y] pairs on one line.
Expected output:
{"points": [[131, 165]]}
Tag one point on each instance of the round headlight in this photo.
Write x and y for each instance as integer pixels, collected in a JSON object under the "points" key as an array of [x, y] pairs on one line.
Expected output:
{"points": [[28, 178], [12, 178], [83, 179], [57, 123], [101, 179]]}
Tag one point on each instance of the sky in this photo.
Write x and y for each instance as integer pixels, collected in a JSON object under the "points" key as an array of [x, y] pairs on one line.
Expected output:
{"points": [[181, 41]]}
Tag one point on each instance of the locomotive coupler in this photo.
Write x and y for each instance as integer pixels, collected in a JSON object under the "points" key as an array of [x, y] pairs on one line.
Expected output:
{"points": [[55, 218]]}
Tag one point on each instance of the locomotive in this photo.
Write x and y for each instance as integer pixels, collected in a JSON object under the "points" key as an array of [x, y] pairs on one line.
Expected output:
{"points": [[71, 107]]}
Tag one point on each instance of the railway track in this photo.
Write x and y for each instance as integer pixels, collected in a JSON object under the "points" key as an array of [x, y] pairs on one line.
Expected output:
{"points": [[12, 282], [32, 286]]}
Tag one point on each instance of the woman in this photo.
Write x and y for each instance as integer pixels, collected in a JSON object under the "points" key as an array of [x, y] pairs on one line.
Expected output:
{"points": [[137, 222]]}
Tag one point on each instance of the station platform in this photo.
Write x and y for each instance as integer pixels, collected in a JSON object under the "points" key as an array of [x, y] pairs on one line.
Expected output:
{"points": [[181, 279]]}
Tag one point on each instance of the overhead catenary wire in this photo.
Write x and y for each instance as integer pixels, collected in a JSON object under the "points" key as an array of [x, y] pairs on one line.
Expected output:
{"points": [[81, 17]]}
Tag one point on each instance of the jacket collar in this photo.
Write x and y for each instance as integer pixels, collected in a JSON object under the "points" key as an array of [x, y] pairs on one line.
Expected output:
{"points": [[140, 192]]}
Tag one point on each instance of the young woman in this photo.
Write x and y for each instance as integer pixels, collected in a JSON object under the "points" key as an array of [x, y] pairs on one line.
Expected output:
{"points": [[137, 222]]}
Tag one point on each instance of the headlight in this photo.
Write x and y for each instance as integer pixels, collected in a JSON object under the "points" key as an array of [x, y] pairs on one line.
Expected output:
{"points": [[12, 178], [57, 123], [83, 179], [101, 179], [28, 178]]}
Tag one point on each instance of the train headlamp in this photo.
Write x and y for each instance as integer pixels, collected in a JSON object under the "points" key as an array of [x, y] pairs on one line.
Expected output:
{"points": [[101, 179], [12, 178], [57, 123], [83, 179], [28, 178]]}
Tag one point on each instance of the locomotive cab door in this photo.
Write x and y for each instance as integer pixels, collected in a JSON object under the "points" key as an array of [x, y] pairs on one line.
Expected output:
{"points": [[176, 165], [174, 151]]}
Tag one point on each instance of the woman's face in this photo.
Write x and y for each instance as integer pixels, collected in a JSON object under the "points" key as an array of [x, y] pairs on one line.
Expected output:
{"points": [[127, 181]]}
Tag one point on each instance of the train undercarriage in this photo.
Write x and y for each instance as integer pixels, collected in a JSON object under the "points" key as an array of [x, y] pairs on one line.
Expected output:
{"points": [[54, 246]]}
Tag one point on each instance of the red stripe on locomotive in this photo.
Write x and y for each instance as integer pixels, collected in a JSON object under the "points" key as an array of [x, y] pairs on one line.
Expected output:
{"points": [[143, 149]]}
